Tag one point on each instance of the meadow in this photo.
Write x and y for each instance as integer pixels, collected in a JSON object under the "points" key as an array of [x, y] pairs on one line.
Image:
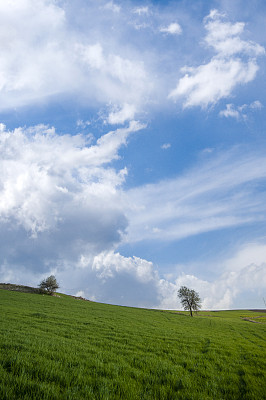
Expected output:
{"points": [[65, 348]]}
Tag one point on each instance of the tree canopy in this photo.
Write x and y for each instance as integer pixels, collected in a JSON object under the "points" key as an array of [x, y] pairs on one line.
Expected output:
{"points": [[190, 299], [49, 284]]}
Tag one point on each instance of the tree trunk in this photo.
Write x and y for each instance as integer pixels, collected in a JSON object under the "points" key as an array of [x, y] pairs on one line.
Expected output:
{"points": [[191, 313]]}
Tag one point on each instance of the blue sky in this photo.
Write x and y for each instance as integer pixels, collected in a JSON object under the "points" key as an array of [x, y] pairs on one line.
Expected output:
{"points": [[133, 146]]}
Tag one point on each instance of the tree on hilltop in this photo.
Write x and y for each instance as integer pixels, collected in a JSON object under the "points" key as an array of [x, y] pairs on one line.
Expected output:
{"points": [[190, 299], [49, 285]]}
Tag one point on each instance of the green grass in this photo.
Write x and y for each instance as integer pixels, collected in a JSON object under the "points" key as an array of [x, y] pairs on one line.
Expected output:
{"points": [[64, 348]]}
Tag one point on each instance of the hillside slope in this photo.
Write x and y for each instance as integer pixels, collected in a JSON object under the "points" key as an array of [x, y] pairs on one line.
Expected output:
{"points": [[64, 348]]}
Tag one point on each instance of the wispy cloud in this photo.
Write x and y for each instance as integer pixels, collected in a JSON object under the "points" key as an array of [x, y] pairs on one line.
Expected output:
{"points": [[256, 105], [218, 194], [112, 6], [230, 111], [166, 146], [82, 124], [141, 10], [240, 112]]}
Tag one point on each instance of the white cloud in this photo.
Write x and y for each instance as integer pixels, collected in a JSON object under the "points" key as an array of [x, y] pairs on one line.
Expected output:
{"points": [[92, 55], [230, 111], [256, 105], [112, 6], [2, 127], [225, 39], [112, 278], [126, 113], [59, 197], [108, 264], [82, 124], [222, 192], [166, 146], [43, 54], [240, 112], [209, 83], [80, 293], [234, 64], [32, 51], [173, 29], [112, 77], [208, 150], [141, 10], [244, 272]]}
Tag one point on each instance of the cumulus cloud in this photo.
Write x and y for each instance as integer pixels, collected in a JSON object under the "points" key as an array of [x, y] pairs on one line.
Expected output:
{"points": [[243, 272], [234, 63], [107, 264], [60, 198], [209, 83], [173, 29], [224, 37], [43, 55], [111, 277]]}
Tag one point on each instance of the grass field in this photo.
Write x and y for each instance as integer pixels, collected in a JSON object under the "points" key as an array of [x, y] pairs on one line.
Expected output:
{"points": [[64, 348]]}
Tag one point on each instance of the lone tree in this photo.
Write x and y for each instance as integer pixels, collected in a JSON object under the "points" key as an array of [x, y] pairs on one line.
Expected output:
{"points": [[190, 299], [49, 285]]}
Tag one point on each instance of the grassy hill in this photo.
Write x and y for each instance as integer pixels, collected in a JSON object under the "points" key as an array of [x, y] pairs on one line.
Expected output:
{"points": [[65, 348]]}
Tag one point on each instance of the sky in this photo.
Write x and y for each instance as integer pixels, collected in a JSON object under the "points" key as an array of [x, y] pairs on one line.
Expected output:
{"points": [[133, 149]]}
